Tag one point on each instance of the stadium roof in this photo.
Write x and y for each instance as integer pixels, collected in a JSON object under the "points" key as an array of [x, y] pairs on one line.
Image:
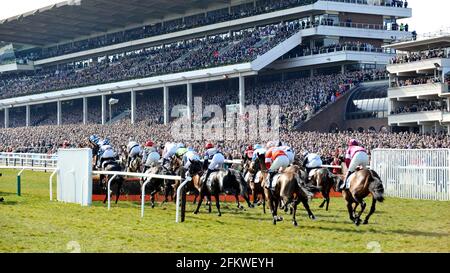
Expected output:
{"points": [[423, 44], [72, 19]]}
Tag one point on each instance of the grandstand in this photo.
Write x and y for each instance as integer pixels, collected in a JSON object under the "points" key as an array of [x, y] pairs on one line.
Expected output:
{"points": [[419, 98], [61, 64]]}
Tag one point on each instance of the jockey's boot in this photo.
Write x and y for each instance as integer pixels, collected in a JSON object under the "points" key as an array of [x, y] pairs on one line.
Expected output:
{"points": [[208, 173], [271, 175], [344, 183]]}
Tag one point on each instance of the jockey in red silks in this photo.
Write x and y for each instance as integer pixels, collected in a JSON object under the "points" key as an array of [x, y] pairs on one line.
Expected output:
{"points": [[276, 158], [355, 156], [248, 154]]}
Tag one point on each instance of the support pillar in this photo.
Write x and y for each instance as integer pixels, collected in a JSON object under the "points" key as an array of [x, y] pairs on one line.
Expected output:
{"points": [[27, 116], [58, 113], [85, 111], [103, 109], [6, 117], [342, 69], [241, 95], [166, 105], [189, 100], [133, 107]]}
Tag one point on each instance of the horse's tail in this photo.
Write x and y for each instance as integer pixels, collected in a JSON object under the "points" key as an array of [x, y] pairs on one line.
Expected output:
{"points": [[376, 187]]}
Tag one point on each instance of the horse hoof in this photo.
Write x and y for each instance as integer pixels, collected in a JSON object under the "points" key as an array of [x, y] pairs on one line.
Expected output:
{"points": [[295, 224], [365, 222], [195, 212], [279, 219], [274, 222], [312, 217], [357, 222], [219, 214]]}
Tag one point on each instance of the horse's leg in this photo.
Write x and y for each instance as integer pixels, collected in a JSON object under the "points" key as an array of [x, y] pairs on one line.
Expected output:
{"points": [[202, 195], [294, 211], [236, 196], [152, 199], [350, 210], [358, 216], [195, 199], [271, 206], [209, 203], [264, 202], [306, 205], [327, 198], [372, 210], [216, 196], [119, 187]]}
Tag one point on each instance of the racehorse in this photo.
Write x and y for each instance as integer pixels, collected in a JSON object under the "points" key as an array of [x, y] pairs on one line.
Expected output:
{"points": [[362, 183], [223, 181], [135, 165], [325, 180], [112, 166], [251, 170], [292, 192]]}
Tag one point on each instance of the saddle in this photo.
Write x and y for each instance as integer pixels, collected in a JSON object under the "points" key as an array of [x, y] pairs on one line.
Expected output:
{"points": [[274, 182]]}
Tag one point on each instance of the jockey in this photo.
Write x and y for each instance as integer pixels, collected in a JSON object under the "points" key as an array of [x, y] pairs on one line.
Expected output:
{"points": [[134, 150], [289, 152], [181, 150], [259, 150], [311, 162], [150, 155], [215, 156], [190, 155], [248, 153], [170, 149], [276, 158], [104, 145], [107, 157], [354, 157]]}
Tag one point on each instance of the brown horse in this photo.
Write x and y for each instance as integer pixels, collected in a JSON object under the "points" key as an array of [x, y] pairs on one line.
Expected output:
{"points": [[325, 180], [362, 183], [251, 169], [292, 192]]}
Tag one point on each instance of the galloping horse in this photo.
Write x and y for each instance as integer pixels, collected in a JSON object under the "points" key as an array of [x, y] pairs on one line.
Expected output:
{"points": [[223, 181], [325, 180], [251, 170], [155, 184], [285, 188], [362, 183], [112, 166], [292, 192]]}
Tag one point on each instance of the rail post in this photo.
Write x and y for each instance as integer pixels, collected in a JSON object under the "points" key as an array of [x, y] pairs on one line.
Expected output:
{"points": [[19, 189], [51, 184], [109, 189], [179, 196]]}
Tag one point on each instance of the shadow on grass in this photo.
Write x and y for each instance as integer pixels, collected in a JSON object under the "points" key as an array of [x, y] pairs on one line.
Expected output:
{"points": [[8, 203], [395, 231]]}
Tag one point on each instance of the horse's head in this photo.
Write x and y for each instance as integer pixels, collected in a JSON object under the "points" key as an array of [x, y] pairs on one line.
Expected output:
{"points": [[175, 164], [195, 168], [135, 165]]}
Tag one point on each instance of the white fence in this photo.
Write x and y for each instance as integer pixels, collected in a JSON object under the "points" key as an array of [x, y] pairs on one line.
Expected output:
{"points": [[414, 174], [28, 160]]}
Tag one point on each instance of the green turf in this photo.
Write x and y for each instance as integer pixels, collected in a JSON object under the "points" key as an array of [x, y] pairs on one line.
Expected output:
{"points": [[31, 223]]}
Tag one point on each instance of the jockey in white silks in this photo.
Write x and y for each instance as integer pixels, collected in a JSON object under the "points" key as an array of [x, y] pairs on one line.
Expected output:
{"points": [[150, 155], [188, 157], [311, 162], [170, 149], [215, 159], [108, 156], [289, 153], [134, 150]]}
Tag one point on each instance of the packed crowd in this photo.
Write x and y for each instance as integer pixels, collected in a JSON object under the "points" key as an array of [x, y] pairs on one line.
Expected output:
{"points": [[299, 99], [304, 50], [420, 56], [421, 106], [197, 20], [241, 46], [47, 139], [415, 81]]}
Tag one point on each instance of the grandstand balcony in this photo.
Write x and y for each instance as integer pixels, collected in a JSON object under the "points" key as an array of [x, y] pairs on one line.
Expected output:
{"points": [[419, 91], [16, 67], [418, 66], [350, 55], [417, 118]]}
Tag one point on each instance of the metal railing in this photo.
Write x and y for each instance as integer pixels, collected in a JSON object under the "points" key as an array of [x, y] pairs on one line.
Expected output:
{"points": [[28, 160]]}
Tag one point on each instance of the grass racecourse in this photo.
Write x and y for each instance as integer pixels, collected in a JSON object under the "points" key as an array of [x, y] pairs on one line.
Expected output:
{"points": [[31, 223]]}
